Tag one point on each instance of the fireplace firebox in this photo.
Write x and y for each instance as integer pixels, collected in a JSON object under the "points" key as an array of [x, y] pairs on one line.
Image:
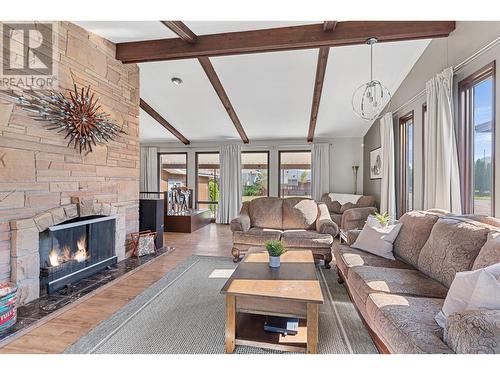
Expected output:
{"points": [[75, 249]]}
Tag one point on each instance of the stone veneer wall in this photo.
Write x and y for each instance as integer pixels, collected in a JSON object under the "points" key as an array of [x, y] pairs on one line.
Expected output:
{"points": [[39, 173]]}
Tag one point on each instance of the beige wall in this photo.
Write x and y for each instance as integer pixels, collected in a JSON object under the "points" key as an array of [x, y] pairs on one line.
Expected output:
{"points": [[467, 39], [39, 172]]}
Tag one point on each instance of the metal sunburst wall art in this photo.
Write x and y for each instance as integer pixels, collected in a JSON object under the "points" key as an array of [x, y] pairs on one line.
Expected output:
{"points": [[79, 116]]}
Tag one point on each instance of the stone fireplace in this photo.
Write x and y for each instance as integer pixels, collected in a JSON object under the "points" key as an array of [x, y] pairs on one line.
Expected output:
{"points": [[36, 261], [40, 176]]}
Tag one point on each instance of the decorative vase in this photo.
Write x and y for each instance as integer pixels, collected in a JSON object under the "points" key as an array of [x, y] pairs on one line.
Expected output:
{"points": [[274, 262]]}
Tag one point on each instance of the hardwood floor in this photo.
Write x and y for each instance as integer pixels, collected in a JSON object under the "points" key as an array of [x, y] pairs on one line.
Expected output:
{"points": [[55, 335]]}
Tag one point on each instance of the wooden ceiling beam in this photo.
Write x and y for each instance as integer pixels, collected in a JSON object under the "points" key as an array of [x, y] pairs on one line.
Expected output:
{"points": [[318, 88], [329, 26], [150, 111], [219, 89], [181, 30], [280, 39]]}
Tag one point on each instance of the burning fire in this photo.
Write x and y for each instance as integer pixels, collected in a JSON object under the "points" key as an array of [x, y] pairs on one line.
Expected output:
{"points": [[55, 259], [81, 254]]}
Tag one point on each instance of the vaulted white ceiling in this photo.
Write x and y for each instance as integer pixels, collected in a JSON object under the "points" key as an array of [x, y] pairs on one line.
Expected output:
{"points": [[270, 92]]}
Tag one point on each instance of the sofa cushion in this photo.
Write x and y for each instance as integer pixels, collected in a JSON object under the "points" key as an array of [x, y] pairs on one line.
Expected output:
{"points": [[347, 257], [300, 238], [406, 324], [256, 236], [474, 332], [367, 280], [266, 212], [452, 247], [417, 226], [299, 213], [489, 253]]}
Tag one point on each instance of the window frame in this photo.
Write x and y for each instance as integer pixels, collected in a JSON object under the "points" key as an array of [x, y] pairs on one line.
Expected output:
{"points": [[279, 165], [268, 165], [424, 124], [403, 151], [159, 166], [466, 135]]}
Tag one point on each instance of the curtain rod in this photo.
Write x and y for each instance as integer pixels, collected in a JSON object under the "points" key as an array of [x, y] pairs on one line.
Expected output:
{"points": [[455, 69]]}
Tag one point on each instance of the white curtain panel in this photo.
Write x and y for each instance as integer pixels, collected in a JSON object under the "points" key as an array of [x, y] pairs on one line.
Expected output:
{"points": [[320, 170], [387, 184], [230, 183], [441, 174], [149, 169]]}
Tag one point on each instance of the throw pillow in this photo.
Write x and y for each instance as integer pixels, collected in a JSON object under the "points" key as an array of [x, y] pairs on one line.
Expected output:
{"points": [[489, 253], [377, 239], [146, 245], [470, 290]]}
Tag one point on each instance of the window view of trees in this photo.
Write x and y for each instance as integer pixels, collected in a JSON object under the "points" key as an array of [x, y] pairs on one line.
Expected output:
{"points": [[254, 175]]}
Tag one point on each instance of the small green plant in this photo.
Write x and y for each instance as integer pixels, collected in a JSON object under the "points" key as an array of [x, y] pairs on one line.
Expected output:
{"points": [[383, 219], [275, 248]]}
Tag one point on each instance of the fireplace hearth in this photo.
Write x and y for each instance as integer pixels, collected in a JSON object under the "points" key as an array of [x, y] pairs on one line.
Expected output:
{"points": [[75, 249]]}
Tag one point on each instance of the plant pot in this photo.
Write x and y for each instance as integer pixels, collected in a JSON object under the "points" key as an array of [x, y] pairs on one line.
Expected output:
{"points": [[274, 262]]}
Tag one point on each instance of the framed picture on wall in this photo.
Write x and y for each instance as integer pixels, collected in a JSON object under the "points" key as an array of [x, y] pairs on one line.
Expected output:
{"points": [[376, 164]]}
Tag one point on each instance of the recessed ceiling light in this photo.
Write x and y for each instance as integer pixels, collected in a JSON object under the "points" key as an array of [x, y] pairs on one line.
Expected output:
{"points": [[176, 81]]}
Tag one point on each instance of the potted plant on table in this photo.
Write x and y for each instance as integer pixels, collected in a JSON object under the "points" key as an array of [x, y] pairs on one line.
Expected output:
{"points": [[275, 249], [383, 219]]}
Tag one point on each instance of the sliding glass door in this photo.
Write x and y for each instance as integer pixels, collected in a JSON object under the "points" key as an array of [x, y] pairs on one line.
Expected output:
{"points": [[207, 181], [254, 174], [295, 174], [173, 170]]}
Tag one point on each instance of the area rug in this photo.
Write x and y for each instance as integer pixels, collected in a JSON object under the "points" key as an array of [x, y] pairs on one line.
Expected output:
{"points": [[184, 313]]}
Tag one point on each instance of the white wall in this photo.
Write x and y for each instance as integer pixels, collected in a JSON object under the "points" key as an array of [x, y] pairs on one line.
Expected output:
{"points": [[345, 152]]}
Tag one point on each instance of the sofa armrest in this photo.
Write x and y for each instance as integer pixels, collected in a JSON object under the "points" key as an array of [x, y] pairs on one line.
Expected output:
{"points": [[352, 236], [324, 223], [327, 226], [355, 218], [473, 331], [240, 223]]}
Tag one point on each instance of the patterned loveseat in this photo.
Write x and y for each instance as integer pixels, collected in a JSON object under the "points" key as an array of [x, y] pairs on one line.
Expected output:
{"points": [[399, 298], [300, 223]]}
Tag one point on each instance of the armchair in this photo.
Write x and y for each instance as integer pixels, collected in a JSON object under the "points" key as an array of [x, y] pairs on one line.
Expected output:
{"points": [[349, 211]]}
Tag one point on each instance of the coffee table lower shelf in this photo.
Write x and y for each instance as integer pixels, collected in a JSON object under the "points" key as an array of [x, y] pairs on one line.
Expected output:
{"points": [[250, 332]]}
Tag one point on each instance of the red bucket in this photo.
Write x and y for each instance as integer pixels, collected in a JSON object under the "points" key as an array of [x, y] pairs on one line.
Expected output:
{"points": [[8, 308]]}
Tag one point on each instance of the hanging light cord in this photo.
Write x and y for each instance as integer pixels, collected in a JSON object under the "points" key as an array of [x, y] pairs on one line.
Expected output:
{"points": [[371, 62]]}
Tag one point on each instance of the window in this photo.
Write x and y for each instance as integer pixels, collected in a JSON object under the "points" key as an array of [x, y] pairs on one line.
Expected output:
{"points": [[295, 173], [406, 187], [207, 181], [173, 170], [254, 174], [477, 141]]}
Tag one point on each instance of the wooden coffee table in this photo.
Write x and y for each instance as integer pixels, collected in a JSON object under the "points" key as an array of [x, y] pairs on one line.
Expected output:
{"points": [[255, 290]]}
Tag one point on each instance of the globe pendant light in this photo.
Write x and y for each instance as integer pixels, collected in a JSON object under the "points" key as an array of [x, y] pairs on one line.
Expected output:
{"points": [[369, 99]]}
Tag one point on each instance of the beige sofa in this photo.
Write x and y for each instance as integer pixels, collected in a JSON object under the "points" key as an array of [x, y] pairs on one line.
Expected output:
{"points": [[399, 299], [349, 215], [300, 223]]}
